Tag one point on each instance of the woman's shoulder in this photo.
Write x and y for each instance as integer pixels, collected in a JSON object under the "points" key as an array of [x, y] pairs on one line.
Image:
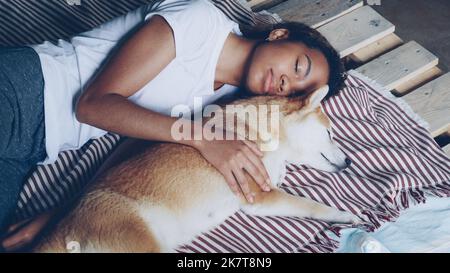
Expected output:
{"points": [[196, 25], [209, 17], [200, 10], [180, 5]]}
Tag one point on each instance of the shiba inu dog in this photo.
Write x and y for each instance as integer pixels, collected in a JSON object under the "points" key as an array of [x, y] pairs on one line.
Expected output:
{"points": [[168, 194]]}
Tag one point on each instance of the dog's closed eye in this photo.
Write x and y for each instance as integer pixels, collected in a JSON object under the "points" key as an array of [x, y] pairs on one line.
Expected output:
{"points": [[325, 157]]}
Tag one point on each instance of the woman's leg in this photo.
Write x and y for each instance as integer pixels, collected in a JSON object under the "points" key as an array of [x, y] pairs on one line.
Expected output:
{"points": [[22, 128], [13, 174]]}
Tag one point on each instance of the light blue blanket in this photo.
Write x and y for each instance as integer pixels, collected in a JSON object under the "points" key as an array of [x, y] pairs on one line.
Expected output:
{"points": [[422, 228]]}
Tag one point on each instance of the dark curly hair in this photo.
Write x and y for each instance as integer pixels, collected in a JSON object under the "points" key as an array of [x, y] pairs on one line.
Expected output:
{"points": [[312, 38]]}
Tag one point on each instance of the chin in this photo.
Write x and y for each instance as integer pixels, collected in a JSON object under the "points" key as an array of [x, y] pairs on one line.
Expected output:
{"points": [[254, 87], [249, 89], [254, 91]]}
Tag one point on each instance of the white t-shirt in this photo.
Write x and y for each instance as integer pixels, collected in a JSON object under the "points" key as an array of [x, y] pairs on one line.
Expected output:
{"points": [[200, 31]]}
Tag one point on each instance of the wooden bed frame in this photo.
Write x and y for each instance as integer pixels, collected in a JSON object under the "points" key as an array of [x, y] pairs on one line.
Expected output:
{"points": [[368, 44]]}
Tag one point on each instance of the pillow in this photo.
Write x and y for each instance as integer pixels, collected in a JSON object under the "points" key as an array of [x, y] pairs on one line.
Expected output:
{"points": [[33, 22]]}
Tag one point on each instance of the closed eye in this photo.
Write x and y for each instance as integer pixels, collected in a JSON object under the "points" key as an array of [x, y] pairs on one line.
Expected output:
{"points": [[325, 157]]}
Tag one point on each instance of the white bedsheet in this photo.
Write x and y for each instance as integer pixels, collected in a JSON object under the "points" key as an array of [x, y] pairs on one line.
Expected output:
{"points": [[422, 228]]}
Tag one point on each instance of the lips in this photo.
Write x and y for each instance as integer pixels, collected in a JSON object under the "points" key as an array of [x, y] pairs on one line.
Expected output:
{"points": [[268, 82]]}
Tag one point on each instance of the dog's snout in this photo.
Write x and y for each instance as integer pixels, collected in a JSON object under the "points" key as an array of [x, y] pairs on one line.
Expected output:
{"points": [[348, 162]]}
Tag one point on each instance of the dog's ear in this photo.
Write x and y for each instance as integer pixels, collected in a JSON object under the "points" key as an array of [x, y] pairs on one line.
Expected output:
{"points": [[316, 97]]}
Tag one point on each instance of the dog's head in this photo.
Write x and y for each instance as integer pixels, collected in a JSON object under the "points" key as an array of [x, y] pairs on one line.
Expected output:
{"points": [[309, 134]]}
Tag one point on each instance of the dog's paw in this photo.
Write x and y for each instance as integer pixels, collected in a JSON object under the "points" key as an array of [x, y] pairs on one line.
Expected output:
{"points": [[348, 218], [334, 215]]}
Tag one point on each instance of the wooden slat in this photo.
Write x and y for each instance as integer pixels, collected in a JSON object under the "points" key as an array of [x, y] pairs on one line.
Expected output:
{"points": [[419, 80], [399, 65], [377, 48], [432, 103], [315, 13], [356, 30], [258, 5]]}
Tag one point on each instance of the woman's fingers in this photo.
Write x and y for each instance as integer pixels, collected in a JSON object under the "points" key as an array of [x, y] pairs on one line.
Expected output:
{"points": [[23, 237], [254, 147], [248, 159], [26, 234], [256, 169], [243, 183], [233, 184], [16, 226], [239, 162]]}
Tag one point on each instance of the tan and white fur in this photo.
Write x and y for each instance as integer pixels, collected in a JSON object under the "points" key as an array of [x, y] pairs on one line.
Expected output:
{"points": [[169, 194]]}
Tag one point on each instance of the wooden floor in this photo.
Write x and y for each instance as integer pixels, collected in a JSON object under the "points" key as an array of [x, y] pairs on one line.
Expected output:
{"points": [[367, 42]]}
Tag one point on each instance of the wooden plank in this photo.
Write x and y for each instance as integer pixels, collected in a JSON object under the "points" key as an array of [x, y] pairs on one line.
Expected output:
{"points": [[377, 48], [356, 30], [315, 13], [419, 80], [399, 65], [258, 5], [432, 103]]}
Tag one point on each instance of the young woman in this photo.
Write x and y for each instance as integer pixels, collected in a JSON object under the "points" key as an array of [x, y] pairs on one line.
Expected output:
{"points": [[126, 76]]}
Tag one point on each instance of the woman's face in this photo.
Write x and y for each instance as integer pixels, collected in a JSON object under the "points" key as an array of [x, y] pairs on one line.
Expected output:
{"points": [[283, 68]]}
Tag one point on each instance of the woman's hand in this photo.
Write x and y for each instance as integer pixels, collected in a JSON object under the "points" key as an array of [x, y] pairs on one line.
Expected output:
{"points": [[22, 234], [232, 158]]}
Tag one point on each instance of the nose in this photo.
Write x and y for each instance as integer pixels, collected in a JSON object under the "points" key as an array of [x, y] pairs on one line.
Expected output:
{"points": [[348, 162]]}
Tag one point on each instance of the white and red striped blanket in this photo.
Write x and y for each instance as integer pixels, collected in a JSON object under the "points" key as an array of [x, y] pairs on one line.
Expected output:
{"points": [[395, 163]]}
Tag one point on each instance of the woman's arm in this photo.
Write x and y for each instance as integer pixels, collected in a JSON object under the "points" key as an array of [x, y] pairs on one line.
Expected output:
{"points": [[105, 105]]}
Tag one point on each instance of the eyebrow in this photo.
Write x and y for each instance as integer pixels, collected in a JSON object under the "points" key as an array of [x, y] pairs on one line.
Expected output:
{"points": [[308, 70]]}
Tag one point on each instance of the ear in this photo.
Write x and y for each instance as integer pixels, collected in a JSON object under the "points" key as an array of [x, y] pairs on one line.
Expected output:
{"points": [[317, 96], [278, 34]]}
